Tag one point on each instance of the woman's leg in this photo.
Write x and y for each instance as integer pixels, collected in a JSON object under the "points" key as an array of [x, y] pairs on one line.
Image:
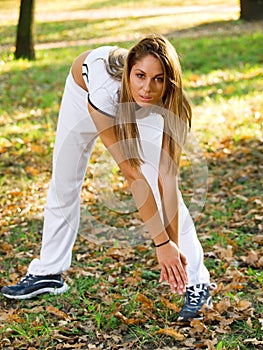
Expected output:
{"points": [[191, 247], [75, 137]]}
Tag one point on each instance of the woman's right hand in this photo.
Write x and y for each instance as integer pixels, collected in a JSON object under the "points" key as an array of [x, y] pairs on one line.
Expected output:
{"points": [[173, 267]]}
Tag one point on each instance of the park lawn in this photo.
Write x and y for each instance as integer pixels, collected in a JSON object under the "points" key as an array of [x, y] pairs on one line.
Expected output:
{"points": [[115, 300]]}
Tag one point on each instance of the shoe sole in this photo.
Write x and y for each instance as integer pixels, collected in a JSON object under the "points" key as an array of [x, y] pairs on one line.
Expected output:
{"points": [[197, 317], [54, 291], [187, 320]]}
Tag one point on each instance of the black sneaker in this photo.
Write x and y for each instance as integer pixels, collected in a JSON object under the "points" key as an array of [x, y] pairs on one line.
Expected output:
{"points": [[196, 296], [32, 285]]}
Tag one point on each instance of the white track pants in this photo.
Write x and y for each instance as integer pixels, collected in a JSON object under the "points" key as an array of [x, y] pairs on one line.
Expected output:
{"points": [[75, 138]]}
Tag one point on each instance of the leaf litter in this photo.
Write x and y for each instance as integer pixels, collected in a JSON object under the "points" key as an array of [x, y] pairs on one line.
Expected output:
{"points": [[124, 276]]}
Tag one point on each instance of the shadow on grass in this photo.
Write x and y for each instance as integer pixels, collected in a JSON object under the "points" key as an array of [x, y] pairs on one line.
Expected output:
{"points": [[218, 49], [77, 31]]}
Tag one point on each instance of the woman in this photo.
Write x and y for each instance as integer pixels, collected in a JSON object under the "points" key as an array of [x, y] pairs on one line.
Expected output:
{"points": [[131, 100]]}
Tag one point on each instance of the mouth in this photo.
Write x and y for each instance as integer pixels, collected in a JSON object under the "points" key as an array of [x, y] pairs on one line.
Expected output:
{"points": [[145, 98]]}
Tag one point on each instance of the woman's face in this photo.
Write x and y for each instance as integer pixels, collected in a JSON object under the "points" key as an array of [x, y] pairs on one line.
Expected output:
{"points": [[147, 81]]}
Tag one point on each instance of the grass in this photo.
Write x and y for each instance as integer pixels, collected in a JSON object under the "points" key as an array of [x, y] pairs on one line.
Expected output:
{"points": [[115, 299]]}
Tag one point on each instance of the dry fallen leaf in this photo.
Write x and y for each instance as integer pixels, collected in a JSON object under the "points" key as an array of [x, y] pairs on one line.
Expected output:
{"points": [[32, 171], [76, 346], [226, 321], [55, 311], [198, 326], [258, 239], [120, 253], [128, 321], [254, 341], [172, 333], [146, 302], [243, 305], [252, 258], [249, 323], [170, 305], [222, 305], [210, 344]]}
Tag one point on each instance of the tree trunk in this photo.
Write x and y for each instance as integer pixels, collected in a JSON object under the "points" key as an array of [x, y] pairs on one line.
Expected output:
{"points": [[251, 9], [24, 38]]}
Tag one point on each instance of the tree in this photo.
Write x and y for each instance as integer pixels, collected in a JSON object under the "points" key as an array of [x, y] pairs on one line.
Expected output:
{"points": [[24, 37], [251, 9]]}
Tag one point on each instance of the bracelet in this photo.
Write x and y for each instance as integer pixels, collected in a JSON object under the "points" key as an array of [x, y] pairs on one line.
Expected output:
{"points": [[161, 244]]}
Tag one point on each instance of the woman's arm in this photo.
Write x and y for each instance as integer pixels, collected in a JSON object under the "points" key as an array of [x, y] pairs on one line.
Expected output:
{"points": [[172, 269], [168, 185]]}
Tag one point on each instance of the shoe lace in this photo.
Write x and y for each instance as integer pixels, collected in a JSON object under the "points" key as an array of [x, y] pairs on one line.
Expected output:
{"points": [[195, 294], [24, 279]]}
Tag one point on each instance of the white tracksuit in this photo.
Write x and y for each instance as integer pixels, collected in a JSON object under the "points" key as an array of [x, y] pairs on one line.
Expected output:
{"points": [[75, 138]]}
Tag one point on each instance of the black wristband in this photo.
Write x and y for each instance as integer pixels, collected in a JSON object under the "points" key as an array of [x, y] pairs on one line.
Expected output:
{"points": [[161, 244]]}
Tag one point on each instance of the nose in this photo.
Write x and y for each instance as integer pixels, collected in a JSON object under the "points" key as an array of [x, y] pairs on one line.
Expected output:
{"points": [[147, 86]]}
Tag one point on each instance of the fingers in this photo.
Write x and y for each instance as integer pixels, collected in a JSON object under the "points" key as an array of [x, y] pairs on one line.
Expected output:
{"points": [[163, 275], [178, 279], [175, 276], [174, 280]]}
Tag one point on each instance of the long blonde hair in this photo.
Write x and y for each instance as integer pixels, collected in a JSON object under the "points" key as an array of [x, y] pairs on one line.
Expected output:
{"points": [[176, 109], [116, 61]]}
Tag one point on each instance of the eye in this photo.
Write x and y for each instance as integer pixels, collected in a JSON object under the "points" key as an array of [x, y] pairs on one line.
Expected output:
{"points": [[140, 75], [159, 79]]}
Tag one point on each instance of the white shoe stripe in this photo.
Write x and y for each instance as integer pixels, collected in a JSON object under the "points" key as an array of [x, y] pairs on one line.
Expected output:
{"points": [[46, 281]]}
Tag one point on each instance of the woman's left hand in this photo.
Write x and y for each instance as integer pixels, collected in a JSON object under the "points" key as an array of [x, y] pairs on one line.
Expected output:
{"points": [[173, 267]]}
